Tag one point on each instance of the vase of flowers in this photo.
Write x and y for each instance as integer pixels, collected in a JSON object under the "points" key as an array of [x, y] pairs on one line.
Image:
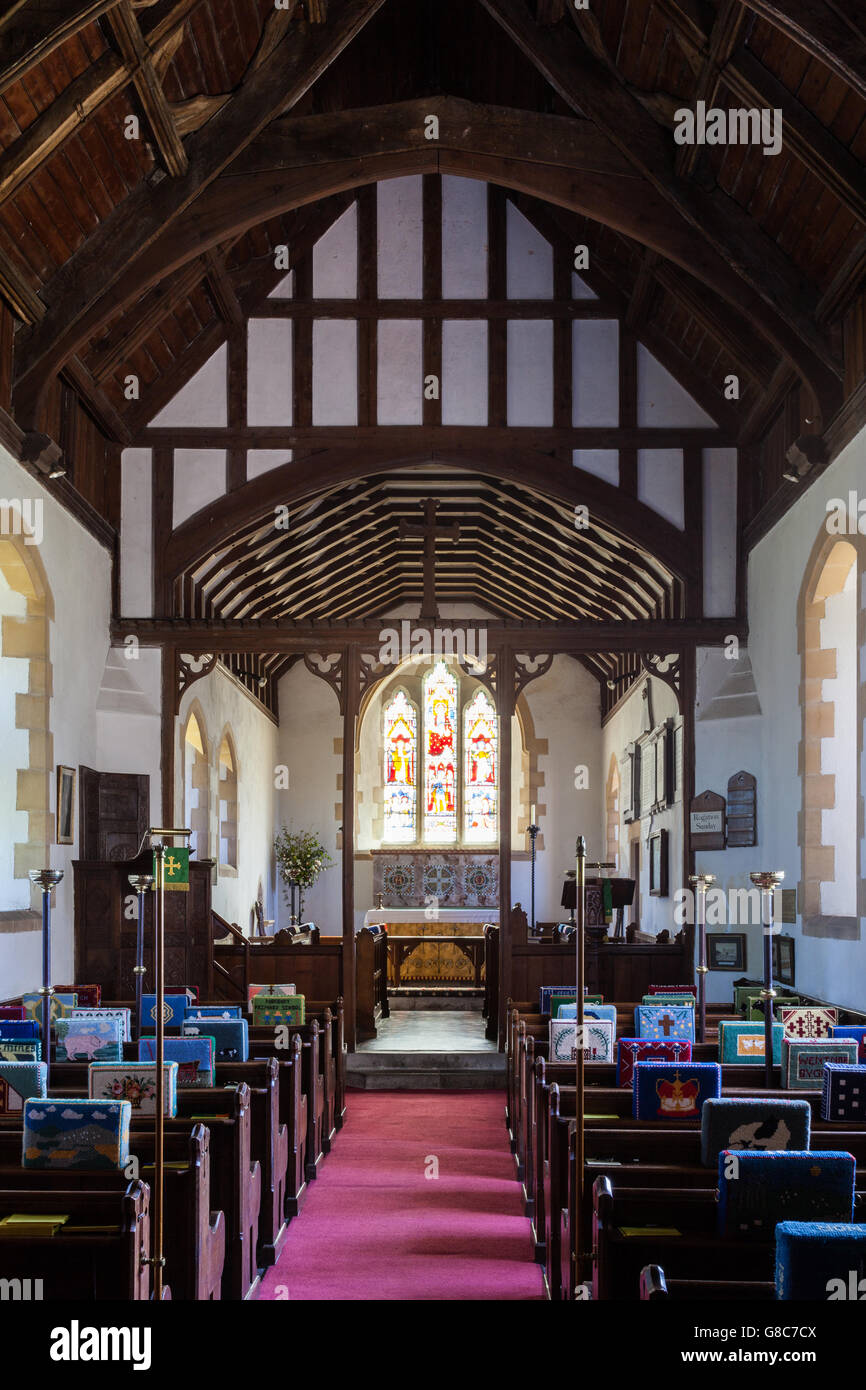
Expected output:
{"points": [[301, 857]]}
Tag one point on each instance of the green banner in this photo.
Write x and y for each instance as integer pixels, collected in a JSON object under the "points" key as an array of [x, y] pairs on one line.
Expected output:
{"points": [[175, 864]]}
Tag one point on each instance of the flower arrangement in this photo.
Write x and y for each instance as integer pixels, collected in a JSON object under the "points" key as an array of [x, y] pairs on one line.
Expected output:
{"points": [[301, 857]]}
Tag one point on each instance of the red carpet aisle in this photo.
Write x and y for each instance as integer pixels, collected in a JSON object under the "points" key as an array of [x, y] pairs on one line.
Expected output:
{"points": [[374, 1227]]}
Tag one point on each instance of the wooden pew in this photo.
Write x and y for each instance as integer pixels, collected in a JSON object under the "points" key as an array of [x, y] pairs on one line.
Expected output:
{"points": [[194, 1235], [111, 1264], [263, 1043], [655, 1287], [269, 1145], [618, 1259]]}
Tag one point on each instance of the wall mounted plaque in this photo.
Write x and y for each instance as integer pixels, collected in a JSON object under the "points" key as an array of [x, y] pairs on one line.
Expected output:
{"points": [[742, 809], [707, 821]]}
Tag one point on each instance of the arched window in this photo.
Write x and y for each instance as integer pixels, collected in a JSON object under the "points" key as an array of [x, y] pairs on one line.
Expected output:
{"points": [[400, 738], [830, 751], [480, 770], [228, 804], [440, 762], [196, 787], [27, 757], [440, 755]]}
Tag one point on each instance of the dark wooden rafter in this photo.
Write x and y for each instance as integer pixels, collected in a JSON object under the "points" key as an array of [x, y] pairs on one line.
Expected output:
{"points": [[84, 96], [825, 31], [288, 72], [201, 635], [247, 195], [137, 56], [30, 31], [753, 85], [773, 293]]}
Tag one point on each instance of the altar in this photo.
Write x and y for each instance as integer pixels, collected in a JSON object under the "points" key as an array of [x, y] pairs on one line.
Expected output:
{"points": [[440, 962]]}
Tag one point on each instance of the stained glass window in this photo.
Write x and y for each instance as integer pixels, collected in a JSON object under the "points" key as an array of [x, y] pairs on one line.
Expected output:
{"points": [[401, 793], [480, 770], [440, 755]]}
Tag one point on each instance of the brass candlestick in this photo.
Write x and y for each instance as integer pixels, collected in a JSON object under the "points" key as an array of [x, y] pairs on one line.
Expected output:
{"points": [[46, 880], [580, 880], [158, 1253], [768, 880], [702, 882]]}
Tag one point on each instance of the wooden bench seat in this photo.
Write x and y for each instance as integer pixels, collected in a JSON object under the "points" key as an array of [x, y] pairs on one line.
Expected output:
{"points": [[93, 1265]]}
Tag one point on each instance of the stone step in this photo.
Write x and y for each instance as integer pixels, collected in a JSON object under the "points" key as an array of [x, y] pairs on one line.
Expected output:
{"points": [[419, 1079], [480, 1060]]}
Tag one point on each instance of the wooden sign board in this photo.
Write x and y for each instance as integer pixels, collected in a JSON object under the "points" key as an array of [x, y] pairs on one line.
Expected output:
{"points": [[707, 821], [742, 809]]}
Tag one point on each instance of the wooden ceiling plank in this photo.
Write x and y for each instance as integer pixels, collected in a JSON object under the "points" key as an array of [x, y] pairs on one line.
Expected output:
{"points": [[720, 45], [137, 57], [819, 29], [286, 75], [29, 32], [804, 135], [85, 95], [587, 85]]}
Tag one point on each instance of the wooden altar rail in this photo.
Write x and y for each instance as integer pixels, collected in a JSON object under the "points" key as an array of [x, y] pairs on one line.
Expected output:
{"points": [[315, 967]]}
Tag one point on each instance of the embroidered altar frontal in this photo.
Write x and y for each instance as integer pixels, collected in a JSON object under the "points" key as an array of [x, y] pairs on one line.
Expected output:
{"points": [[455, 878], [440, 962]]}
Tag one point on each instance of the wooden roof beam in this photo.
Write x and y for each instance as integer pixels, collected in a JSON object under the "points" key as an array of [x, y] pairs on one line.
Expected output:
{"points": [[727, 230], [286, 75], [137, 56], [29, 31], [77, 102], [823, 30]]}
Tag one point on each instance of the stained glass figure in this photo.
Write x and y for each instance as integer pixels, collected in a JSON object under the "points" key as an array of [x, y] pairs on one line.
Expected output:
{"points": [[440, 755], [480, 770], [401, 732]]}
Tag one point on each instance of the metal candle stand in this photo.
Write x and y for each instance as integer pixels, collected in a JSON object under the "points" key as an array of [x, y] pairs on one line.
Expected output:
{"points": [[46, 880], [768, 881], [701, 883], [158, 1257], [142, 883], [580, 855], [533, 835]]}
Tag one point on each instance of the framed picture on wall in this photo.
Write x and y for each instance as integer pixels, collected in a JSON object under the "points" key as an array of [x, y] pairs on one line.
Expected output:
{"points": [[726, 950], [658, 864], [783, 959], [65, 805]]}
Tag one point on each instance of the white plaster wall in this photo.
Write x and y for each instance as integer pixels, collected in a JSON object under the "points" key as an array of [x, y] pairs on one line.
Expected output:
{"points": [[464, 238], [530, 372], [464, 372], [400, 255], [335, 372], [595, 372], [660, 483], [269, 372], [838, 630], [720, 532], [768, 745], [199, 478], [601, 463], [529, 259], [136, 548], [310, 725], [204, 398], [223, 702], [660, 398], [626, 726], [128, 724], [335, 259], [79, 574], [565, 710], [400, 375]]}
